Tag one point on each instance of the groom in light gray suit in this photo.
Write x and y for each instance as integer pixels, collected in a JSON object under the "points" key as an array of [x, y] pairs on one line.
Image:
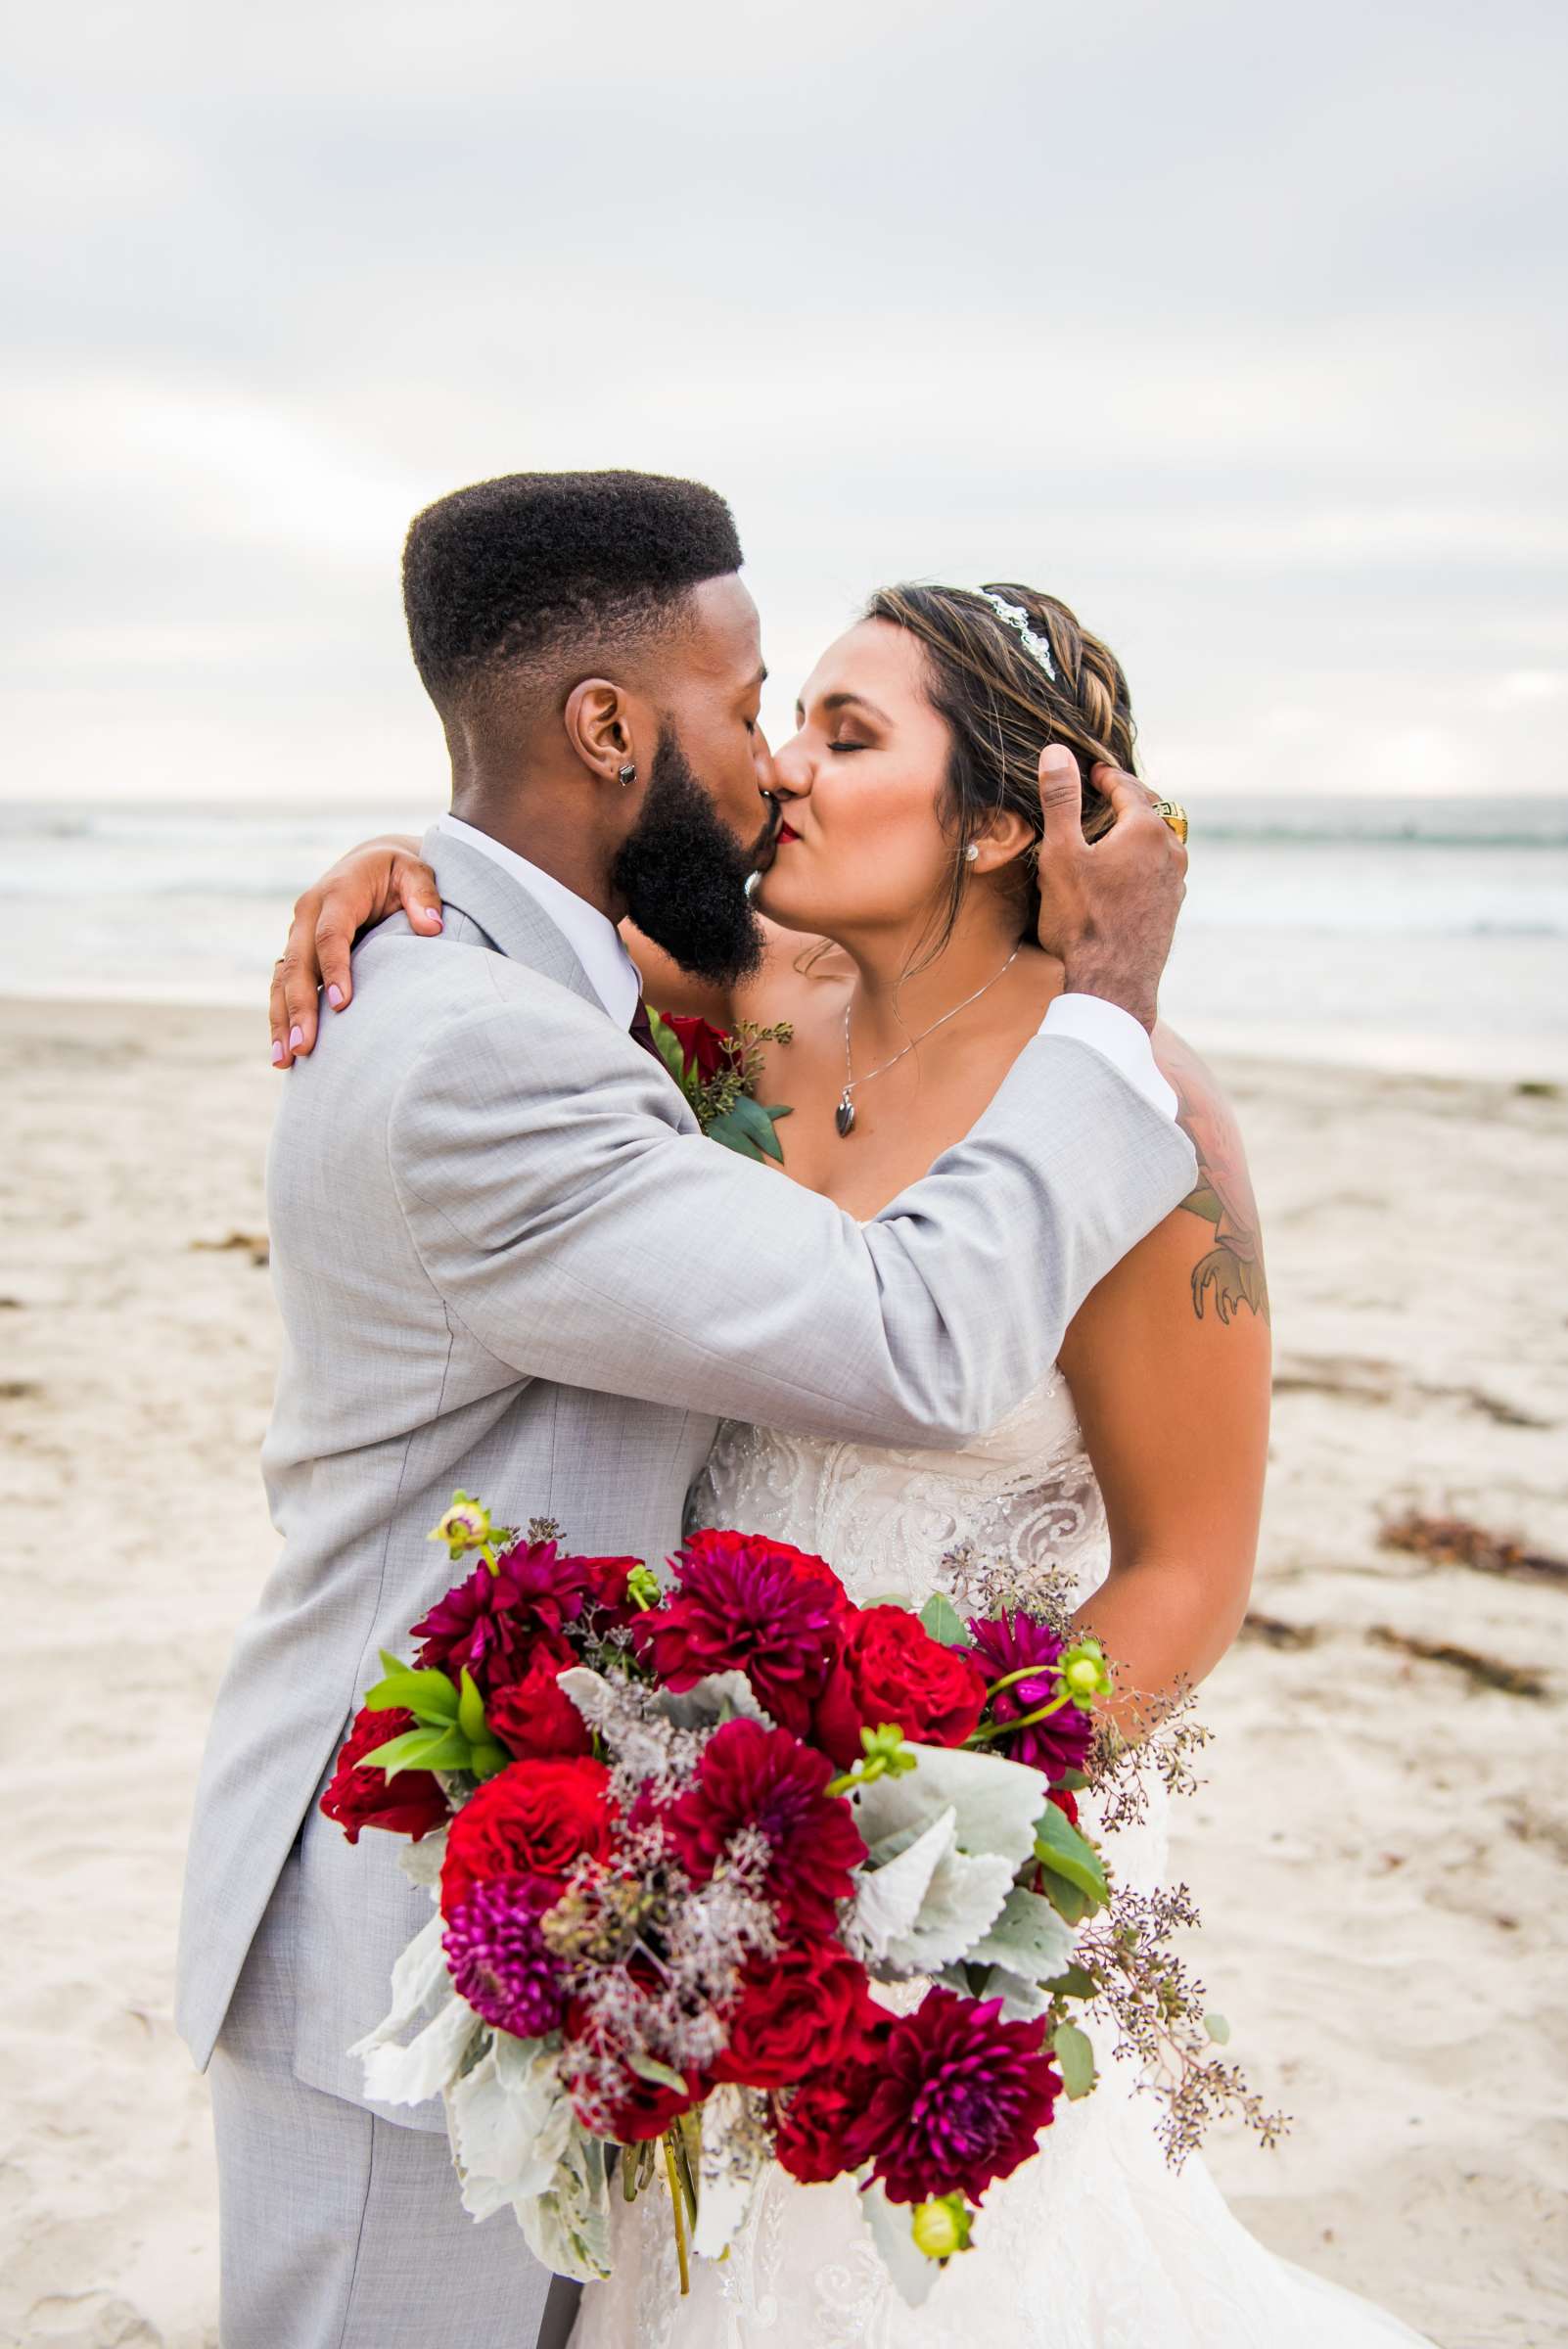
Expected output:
{"points": [[505, 1259]]}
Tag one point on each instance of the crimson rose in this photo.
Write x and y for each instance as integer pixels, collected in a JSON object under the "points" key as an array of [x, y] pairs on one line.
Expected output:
{"points": [[892, 1671], [800, 2011], [359, 1796], [705, 1049], [534, 1819], [534, 1719], [818, 2126]]}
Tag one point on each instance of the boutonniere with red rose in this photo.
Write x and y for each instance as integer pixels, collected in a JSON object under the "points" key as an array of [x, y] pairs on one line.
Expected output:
{"points": [[717, 1068]]}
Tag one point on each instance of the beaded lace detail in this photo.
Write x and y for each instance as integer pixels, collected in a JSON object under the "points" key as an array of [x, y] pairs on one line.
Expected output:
{"points": [[1024, 1495]]}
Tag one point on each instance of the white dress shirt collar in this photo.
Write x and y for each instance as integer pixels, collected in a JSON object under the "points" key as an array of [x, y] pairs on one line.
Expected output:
{"points": [[591, 935]]}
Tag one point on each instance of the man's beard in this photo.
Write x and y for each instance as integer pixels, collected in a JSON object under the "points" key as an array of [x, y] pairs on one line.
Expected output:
{"points": [[683, 875]]}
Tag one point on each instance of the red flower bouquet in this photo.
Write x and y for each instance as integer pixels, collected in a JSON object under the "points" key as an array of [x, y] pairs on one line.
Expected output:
{"points": [[679, 1835]]}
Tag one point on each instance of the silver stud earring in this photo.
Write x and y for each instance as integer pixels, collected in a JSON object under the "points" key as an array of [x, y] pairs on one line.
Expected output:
{"points": [[972, 853], [628, 774]]}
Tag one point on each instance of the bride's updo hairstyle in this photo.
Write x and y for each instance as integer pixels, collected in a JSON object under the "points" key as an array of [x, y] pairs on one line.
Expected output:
{"points": [[1003, 709]]}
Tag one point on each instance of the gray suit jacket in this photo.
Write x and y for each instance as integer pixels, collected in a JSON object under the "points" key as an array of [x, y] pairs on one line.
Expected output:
{"points": [[505, 1259]]}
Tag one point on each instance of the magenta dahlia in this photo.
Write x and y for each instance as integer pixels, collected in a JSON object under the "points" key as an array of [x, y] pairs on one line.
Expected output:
{"points": [[498, 1959], [766, 1780], [961, 2099], [745, 1603], [550, 1590], [492, 1622], [1008, 1643]]}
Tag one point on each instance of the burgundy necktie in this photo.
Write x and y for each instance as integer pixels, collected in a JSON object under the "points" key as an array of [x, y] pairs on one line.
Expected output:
{"points": [[641, 1031]]}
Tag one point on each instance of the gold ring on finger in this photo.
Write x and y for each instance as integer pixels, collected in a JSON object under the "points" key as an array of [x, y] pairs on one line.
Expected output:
{"points": [[1172, 813]]}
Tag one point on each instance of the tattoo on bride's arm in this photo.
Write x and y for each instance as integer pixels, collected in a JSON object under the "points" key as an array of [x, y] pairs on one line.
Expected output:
{"points": [[1231, 1267]]}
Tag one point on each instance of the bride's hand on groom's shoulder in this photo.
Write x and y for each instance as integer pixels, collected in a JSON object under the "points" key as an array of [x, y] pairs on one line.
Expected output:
{"points": [[1108, 909], [376, 879]]}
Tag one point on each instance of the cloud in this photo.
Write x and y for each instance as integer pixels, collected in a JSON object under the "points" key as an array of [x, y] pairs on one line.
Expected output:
{"points": [[1241, 331]]}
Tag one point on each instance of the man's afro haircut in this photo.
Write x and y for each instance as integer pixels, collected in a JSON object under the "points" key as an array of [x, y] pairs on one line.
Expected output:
{"points": [[510, 573]]}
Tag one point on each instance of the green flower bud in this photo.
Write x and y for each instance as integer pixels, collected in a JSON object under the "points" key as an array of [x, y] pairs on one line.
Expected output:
{"points": [[884, 1754], [465, 1526], [1084, 1674], [941, 2225], [643, 1587]]}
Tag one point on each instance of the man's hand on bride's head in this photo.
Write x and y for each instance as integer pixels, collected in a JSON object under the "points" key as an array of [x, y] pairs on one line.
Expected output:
{"points": [[1108, 910], [371, 882]]}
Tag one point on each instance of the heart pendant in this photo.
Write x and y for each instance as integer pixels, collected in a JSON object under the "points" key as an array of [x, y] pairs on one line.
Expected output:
{"points": [[843, 1116]]}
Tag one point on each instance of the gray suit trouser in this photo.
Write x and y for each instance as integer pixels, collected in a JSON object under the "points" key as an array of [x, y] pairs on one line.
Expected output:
{"points": [[340, 2229]]}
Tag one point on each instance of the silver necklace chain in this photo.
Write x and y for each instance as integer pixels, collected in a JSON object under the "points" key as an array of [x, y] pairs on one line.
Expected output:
{"points": [[844, 1115]]}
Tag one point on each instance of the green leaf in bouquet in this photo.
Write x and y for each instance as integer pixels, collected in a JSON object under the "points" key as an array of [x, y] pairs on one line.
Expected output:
{"points": [[670, 1051], [1074, 1982], [1022, 2001], [649, 2067], [1059, 1847], [421, 1749], [568, 2227], [429, 1695], [944, 1622], [892, 2230], [929, 1907], [1067, 1902], [486, 1759], [1074, 2053], [1030, 1938], [748, 1128], [471, 1709], [995, 1804], [1218, 2028]]}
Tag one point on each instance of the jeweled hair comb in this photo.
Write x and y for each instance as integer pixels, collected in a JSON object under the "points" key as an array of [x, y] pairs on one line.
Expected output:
{"points": [[1014, 616]]}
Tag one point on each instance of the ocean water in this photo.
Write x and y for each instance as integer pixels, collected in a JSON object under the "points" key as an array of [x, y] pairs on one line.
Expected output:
{"points": [[1420, 934]]}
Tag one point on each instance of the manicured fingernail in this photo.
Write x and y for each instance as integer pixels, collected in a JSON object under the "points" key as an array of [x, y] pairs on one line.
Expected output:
{"points": [[433, 917], [334, 997], [296, 1039], [277, 1054]]}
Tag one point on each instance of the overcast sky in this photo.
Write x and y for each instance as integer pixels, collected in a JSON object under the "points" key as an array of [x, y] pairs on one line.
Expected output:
{"points": [[1241, 327]]}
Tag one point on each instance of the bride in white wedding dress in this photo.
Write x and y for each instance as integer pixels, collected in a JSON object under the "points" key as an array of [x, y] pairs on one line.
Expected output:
{"points": [[900, 890]]}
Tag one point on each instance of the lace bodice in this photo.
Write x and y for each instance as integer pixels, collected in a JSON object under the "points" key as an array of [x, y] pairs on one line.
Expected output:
{"points": [[1023, 1500]]}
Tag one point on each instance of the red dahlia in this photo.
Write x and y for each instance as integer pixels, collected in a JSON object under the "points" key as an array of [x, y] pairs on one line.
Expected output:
{"points": [[745, 1603], [961, 2099], [493, 1622], [765, 1778], [362, 1795], [1009, 1644]]}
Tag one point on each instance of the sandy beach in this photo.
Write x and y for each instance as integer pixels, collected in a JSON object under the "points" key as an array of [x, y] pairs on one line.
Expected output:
{"points": [[1380, 1848]]}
